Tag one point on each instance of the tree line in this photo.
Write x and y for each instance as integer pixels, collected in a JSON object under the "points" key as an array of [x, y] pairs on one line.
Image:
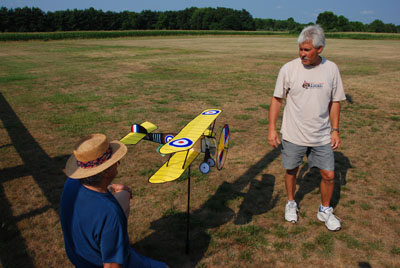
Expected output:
{"points": [[35, 20]]}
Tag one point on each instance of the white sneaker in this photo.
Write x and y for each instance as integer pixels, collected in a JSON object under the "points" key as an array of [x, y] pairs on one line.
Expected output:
{"points": [[291, 212], [331, 221]]}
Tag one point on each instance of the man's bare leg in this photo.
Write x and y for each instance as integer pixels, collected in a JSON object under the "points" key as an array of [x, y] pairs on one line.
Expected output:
{"points": [[327, 186], [290, 182]]}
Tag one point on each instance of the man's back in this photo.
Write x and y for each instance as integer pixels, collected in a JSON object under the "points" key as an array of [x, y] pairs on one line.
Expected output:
{"points": [[94, 226]]}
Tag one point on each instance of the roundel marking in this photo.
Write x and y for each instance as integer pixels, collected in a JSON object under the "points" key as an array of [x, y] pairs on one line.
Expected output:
{"points": [[168, 138], [184, 142], [211, 112]]}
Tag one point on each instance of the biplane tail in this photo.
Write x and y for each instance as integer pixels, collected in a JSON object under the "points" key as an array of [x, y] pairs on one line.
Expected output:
{"points": [[138, 132]]}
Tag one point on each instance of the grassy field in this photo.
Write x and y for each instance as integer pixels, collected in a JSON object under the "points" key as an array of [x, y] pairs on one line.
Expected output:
{"points": [[54, 92]]}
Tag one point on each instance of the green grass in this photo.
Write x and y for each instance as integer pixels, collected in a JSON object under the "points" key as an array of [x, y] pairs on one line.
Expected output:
{"points": [[350, 241], [395, 118], [243, 116], [395, 250], [68, 98], [78, 123], [139, 33], [325, 241], [17, 78], [280, 246], [265, 106], [280, 231], [114, 34]]}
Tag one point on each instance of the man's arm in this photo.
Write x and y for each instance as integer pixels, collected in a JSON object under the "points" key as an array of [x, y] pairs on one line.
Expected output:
{"points": [[112, 265], [274, 109], [334, 114], [116, 187]]}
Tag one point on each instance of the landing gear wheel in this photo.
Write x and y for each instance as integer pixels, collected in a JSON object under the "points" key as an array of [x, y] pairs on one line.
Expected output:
{"points": [[210, 162], [204, 168]]}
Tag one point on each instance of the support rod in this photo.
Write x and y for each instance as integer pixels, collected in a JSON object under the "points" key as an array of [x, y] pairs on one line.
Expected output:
{"points": [[188, 213]]}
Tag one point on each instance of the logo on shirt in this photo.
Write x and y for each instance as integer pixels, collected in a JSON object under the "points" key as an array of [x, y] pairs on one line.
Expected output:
{"points": [[308, 85]]}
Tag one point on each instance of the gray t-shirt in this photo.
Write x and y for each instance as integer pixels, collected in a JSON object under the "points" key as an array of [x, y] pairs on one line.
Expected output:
{"points": [[308, 91]]}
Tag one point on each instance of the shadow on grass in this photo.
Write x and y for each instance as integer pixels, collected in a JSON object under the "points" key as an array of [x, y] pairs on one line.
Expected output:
{"points": [[47, 173], [364, 265], [167, 242], [310, 179]]}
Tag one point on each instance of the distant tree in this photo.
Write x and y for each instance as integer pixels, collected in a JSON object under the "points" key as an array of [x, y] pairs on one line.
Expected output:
{"points": [[35, 20], [342, 24], [390, 28], [129, 20], [247, 21], [4, 17], [167, 20], [147, 20], [196, 20], [377, 26], [183, 18], [356, 26], [291, 24], [230, 22], [328, 21]]}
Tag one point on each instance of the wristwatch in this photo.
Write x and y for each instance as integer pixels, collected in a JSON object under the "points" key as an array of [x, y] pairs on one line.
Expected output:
{"points": [[335, 129], [110, 188]]}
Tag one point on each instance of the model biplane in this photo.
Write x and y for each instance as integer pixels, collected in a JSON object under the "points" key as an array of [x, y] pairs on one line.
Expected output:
{"points": [[196, 137]]}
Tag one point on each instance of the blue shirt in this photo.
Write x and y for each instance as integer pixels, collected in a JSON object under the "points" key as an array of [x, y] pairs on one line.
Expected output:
{"points": [[95, 229]]}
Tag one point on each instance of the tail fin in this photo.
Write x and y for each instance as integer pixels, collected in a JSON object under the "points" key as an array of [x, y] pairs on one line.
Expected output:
{"points": [[135, 128]]}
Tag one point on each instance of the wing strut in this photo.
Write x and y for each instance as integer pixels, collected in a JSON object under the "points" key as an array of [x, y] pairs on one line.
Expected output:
{"points": [[188, 213], [213, 125], [169, 158], [184, 162]]}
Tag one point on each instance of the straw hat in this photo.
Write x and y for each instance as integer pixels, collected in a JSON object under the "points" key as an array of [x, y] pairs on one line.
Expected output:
{"points": [[92, 155]]}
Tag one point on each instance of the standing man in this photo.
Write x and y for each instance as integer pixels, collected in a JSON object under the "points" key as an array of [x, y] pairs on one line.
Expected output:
{"points": [[313, 90], [94, 212]]}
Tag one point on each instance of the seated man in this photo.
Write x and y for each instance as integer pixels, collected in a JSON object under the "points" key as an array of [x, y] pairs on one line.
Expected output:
{"points": [[93, 220]]}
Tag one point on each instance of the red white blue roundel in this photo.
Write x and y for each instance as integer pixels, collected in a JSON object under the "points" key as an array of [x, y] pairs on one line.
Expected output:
{"points": [[181, 143], [168, 138], [211, 112]]}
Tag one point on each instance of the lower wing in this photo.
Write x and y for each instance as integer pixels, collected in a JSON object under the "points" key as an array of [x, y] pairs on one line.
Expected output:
{"points": [[174, 167]]}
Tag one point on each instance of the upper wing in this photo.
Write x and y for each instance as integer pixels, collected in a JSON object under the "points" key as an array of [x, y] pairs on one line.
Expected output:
{"points": [[174, 167], [138, 132], [187, 137]]}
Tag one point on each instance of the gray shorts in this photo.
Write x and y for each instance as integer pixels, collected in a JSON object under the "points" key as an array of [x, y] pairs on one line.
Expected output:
{"points": [[317, 156]]}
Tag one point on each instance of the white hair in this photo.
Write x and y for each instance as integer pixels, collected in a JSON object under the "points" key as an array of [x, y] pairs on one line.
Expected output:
{"points": [[314, 33]]}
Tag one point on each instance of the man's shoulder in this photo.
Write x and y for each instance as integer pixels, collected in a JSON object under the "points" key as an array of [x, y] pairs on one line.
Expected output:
{"points": [[328, 63], [292, 65]]}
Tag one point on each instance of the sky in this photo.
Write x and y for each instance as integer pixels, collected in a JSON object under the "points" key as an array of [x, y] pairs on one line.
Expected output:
{"points": [[302, 11]]}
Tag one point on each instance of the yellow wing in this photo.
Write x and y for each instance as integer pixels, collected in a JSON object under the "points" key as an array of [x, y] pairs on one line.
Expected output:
{"points": [[135, 136], [132, 138], [188, 136], [174, 168]]}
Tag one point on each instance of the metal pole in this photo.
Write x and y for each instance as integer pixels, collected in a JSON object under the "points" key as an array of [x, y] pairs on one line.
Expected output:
{"points": [[188, 213]]}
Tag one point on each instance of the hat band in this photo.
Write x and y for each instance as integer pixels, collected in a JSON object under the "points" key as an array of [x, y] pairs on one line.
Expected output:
{"points": [[96, 162]]}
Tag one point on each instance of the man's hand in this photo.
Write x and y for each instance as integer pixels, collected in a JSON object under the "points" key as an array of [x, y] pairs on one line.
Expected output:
{"points": [[335, 140], [112, 265], [120, 187], [273, 138]]}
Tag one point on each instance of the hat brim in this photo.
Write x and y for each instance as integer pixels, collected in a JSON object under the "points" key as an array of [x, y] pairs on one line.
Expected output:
{"points": [[74, 171]]}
